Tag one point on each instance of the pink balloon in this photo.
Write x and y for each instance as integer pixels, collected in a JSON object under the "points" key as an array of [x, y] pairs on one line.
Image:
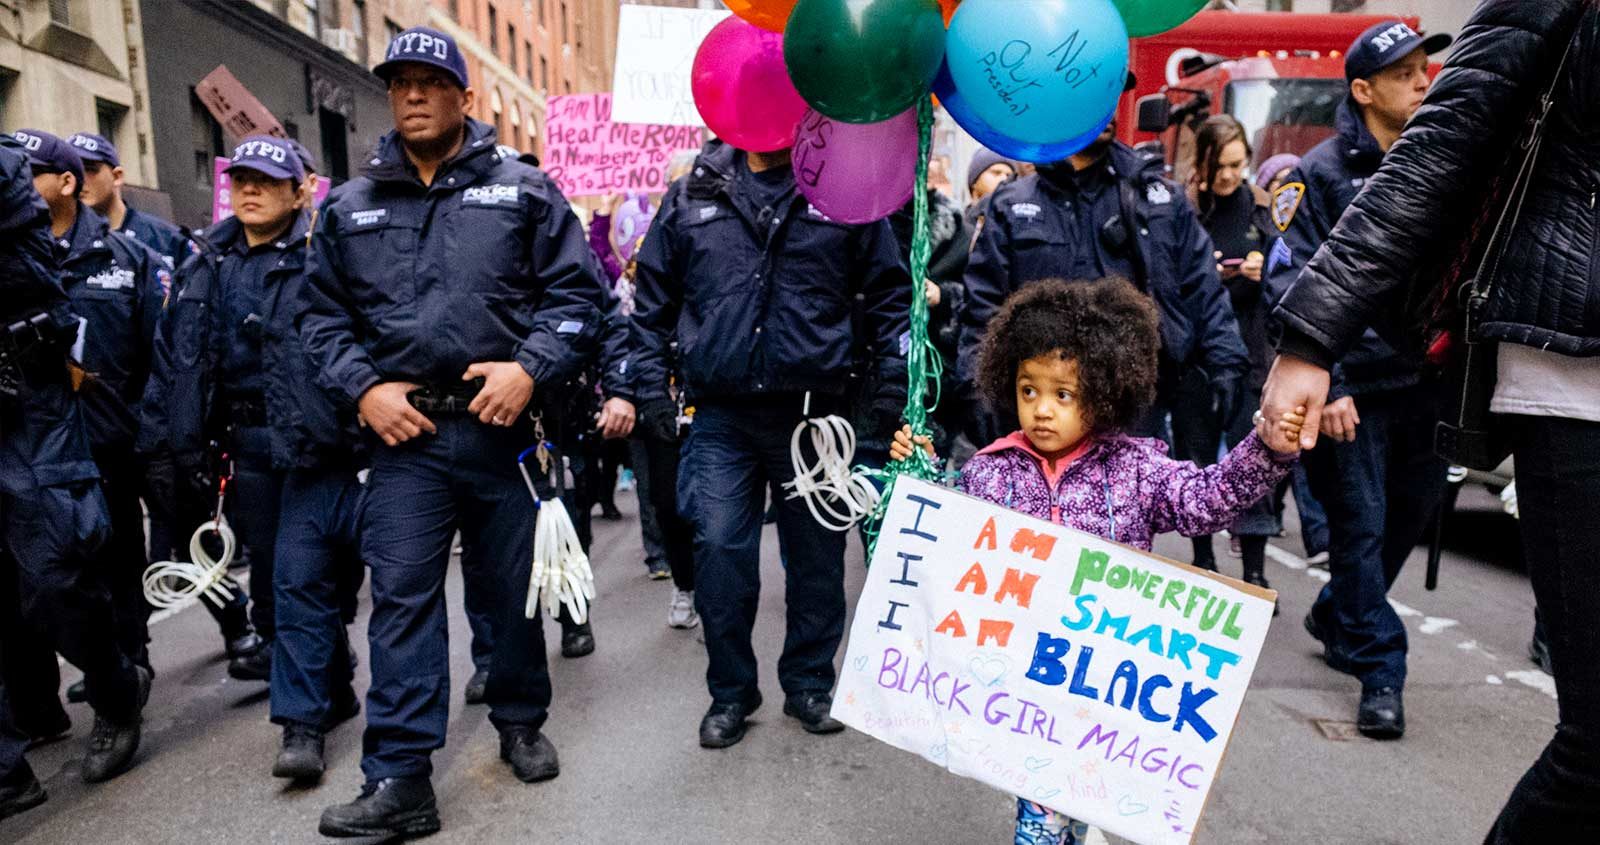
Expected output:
{"points": [[856, 172], [742, 87]]}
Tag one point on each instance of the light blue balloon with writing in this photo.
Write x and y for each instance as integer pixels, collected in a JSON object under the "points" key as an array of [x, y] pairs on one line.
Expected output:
{"points": [[1040, 72], [945, 89]]}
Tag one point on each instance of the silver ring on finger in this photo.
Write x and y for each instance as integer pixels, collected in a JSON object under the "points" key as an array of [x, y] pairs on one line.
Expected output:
{"points": [[1258, 419]]}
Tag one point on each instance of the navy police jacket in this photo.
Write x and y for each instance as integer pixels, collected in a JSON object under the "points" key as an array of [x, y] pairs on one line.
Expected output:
{"points": [[413, 282], [166, 239], [42, 438], [308, 427], [118, 286], [1040, 227], [765, 307], [1306, 207]]}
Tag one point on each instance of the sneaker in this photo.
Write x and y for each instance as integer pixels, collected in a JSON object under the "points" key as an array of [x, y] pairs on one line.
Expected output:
{"points": [[680, 614], [392, 807], [1318, 561], [626, 482], [658, 570]]}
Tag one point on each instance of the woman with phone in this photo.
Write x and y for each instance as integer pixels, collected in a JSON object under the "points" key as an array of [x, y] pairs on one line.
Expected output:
{"points": [[1238, 216]]}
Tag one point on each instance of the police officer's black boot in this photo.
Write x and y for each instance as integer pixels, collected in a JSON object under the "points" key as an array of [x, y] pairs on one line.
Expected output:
{"points": [[530, 754], [300, 758], [1382, 715], [388, 807], [477, 686], [255, 665], [113, 743], [20, 791], [576, 640]]}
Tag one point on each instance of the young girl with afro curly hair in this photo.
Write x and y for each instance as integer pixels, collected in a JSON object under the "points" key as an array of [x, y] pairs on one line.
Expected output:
{"points": [[1075, 364]]}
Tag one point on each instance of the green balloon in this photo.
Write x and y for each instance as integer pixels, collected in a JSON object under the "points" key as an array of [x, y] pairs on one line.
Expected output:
{"points": [[1150, 17], [863, 61]]}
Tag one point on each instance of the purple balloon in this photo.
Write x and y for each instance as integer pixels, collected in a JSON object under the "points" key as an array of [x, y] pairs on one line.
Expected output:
{"points": [[856, 172], [742, 89]]}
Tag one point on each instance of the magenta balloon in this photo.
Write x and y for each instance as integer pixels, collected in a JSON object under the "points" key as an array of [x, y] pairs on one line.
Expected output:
{"points": [[742, 87], [856, 172]]}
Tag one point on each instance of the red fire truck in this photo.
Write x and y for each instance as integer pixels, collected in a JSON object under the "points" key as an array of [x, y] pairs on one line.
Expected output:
{"points": [[1280, 73]]}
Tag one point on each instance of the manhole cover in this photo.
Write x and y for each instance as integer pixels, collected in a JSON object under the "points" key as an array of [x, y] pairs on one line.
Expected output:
{"points": [[1336, 731]]}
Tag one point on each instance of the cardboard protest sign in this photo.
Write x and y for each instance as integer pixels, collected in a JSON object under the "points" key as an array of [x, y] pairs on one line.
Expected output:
{"points": [[222, 190], [587, 154], [239, 112], [655, 51], [1089, 677]]}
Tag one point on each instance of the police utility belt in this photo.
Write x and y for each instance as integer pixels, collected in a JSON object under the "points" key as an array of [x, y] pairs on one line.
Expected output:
{"points": [[29, 346], [451, 399]]}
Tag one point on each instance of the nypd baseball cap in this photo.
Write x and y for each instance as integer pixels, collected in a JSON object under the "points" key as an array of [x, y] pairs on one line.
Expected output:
{"points": [[269, 156], [92, 147], [423, 45], [49, 153], [1385, 43]]}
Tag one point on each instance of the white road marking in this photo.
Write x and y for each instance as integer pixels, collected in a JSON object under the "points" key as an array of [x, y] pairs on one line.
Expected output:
{"points": [[1493, 680], [1536, 679], [1435, 624]]}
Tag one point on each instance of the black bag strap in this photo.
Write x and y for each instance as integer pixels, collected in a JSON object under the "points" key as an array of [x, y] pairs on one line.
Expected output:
{"points": [[1481, 283]]}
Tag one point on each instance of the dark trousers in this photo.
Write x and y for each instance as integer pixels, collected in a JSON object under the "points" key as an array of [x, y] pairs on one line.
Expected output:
{"points": [[123, 556], [1313, 519], [418, 495], [656, 466], [1380, 492], [1558, 492], [316, 575], [254, 497], [733, 454], [649, 524], [13, 740], [56, 599]]}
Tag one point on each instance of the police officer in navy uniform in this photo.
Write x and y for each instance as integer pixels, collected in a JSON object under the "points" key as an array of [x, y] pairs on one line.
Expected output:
{"points": [[53, 514], [102, 191], [117, 286], [772, 305], [1377, 474], [1108, 211], [445, 285], [209, 396]]}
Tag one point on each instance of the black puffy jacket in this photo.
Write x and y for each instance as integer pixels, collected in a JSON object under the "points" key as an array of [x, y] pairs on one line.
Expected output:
{"points": [[1547, 291]]}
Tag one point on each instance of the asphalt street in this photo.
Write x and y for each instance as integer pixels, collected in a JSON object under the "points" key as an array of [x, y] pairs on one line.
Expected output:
{"points": [[624, 720]]}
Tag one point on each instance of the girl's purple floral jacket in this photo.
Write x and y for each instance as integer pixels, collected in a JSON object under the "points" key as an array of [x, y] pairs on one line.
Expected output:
{"points": [[1125, 489]]}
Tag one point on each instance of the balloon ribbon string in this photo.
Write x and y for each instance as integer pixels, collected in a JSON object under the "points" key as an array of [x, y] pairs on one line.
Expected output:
{"points": [[923, 364]]}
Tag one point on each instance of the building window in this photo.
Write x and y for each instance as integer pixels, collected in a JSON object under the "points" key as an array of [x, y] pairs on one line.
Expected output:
{"points": [[391, 30], [205, 136], [495, 108], [108, 118], [540, 4], [312, 17], [335, 145], [516, 126], [527, 61], [455, 9], [544, 74], [563, 31], [61, 12], [511, 47], [494, 32], [358, 12]]}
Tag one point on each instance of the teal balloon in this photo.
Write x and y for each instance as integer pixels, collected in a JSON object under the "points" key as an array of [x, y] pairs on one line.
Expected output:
{"points": [[863, 61], [1152, 17]]}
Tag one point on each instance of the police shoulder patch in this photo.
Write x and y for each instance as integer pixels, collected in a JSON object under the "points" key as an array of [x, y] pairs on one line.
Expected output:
{"points": [[1158, 194], [1285, 202]]}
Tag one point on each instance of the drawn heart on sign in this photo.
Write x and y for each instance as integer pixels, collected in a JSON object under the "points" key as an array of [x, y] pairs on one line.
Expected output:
{"points": [[860, 663], [937, 752], [1036, 764], [1045, 794], [989, 671], [1128, 807]]}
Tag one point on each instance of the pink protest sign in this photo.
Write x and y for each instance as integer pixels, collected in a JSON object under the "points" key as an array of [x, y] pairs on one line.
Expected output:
{"points": [[588, 155], [222, 186]]}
